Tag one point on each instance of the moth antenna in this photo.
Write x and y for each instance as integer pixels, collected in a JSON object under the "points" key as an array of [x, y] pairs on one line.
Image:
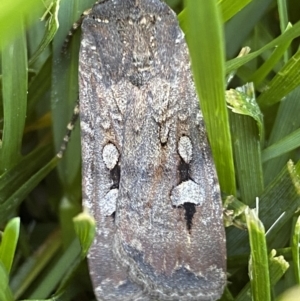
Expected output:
{"points": [[72, 31], [70, 128]]}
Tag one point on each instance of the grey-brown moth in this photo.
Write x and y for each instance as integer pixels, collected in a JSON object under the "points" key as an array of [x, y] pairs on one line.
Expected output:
{"points": [[148, 174]]}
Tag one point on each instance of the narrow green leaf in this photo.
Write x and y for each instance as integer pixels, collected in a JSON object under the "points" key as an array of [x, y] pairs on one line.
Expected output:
{"points": [[295, 250], [260, 74], [5, 292], [10, 14], [234, 213], [283, 83], [14, 86], [64, 92], [284, 20], [11, 180], [242, 101], [18, 196], [66, 263], [205, 33], [67, 210], [247, 155], [228, 9], [85, 227], [39, 87], [50, 31], [284, 38], [35, 264], [288, 111], [231, 7], [9, 243], [277, 268], [244, 23], [278, 203], [258, 264], [285, 145], [246, 135]]}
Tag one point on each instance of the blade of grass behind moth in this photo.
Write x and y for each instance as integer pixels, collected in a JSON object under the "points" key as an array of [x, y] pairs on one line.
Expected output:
{"points": [[5, 291], [65, 87], [285, 81], [9, 242], [39, 87], [34, 266], [247, 134], [85, 227], [295, 250], [14, 184], [10, 12], [278, 202], [64, 92], [18, 196], [284, 20], [64, 95], [258, 263], [51, 29], [283, 146], [244, 21], [247, 155], [277, 268], [260, 74], [59, 270], [14, 89], [207, 55], [288, 35], [288, 110], [228, 9]]}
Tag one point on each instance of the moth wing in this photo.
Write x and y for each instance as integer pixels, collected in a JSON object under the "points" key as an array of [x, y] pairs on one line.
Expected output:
{"points": [[170, 231], [101, 124]]}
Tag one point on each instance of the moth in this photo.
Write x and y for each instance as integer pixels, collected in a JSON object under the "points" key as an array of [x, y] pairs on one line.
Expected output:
{"points": [[148, 175]]}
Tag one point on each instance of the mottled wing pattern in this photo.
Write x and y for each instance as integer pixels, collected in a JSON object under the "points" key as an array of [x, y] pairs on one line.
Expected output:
{"points": [[148, 175]]}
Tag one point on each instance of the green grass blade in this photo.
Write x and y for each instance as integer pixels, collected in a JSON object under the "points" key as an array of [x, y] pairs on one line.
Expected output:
{"points": [[246, 135], [9, 243], [247, 154], [277, 268], [18, 196], [231, 7], [33, 267], [10, 14], [258, 264], [285, 145], [14, 89], [244, 23], [284, 21], [278, 202], [11, 180], [85, 228], [295, 250], [283, 83], [228, 9], [5, 292], [288, 111], [58, 271], [288, 35], [50, 31], [207, 55], [260, 74]]}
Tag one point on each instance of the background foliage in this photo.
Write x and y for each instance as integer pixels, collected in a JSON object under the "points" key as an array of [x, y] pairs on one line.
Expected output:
{"points": [[253, 128]]}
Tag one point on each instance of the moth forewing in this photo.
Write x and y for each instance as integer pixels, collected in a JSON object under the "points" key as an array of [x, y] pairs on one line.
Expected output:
{"points": [[148, 175]]}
